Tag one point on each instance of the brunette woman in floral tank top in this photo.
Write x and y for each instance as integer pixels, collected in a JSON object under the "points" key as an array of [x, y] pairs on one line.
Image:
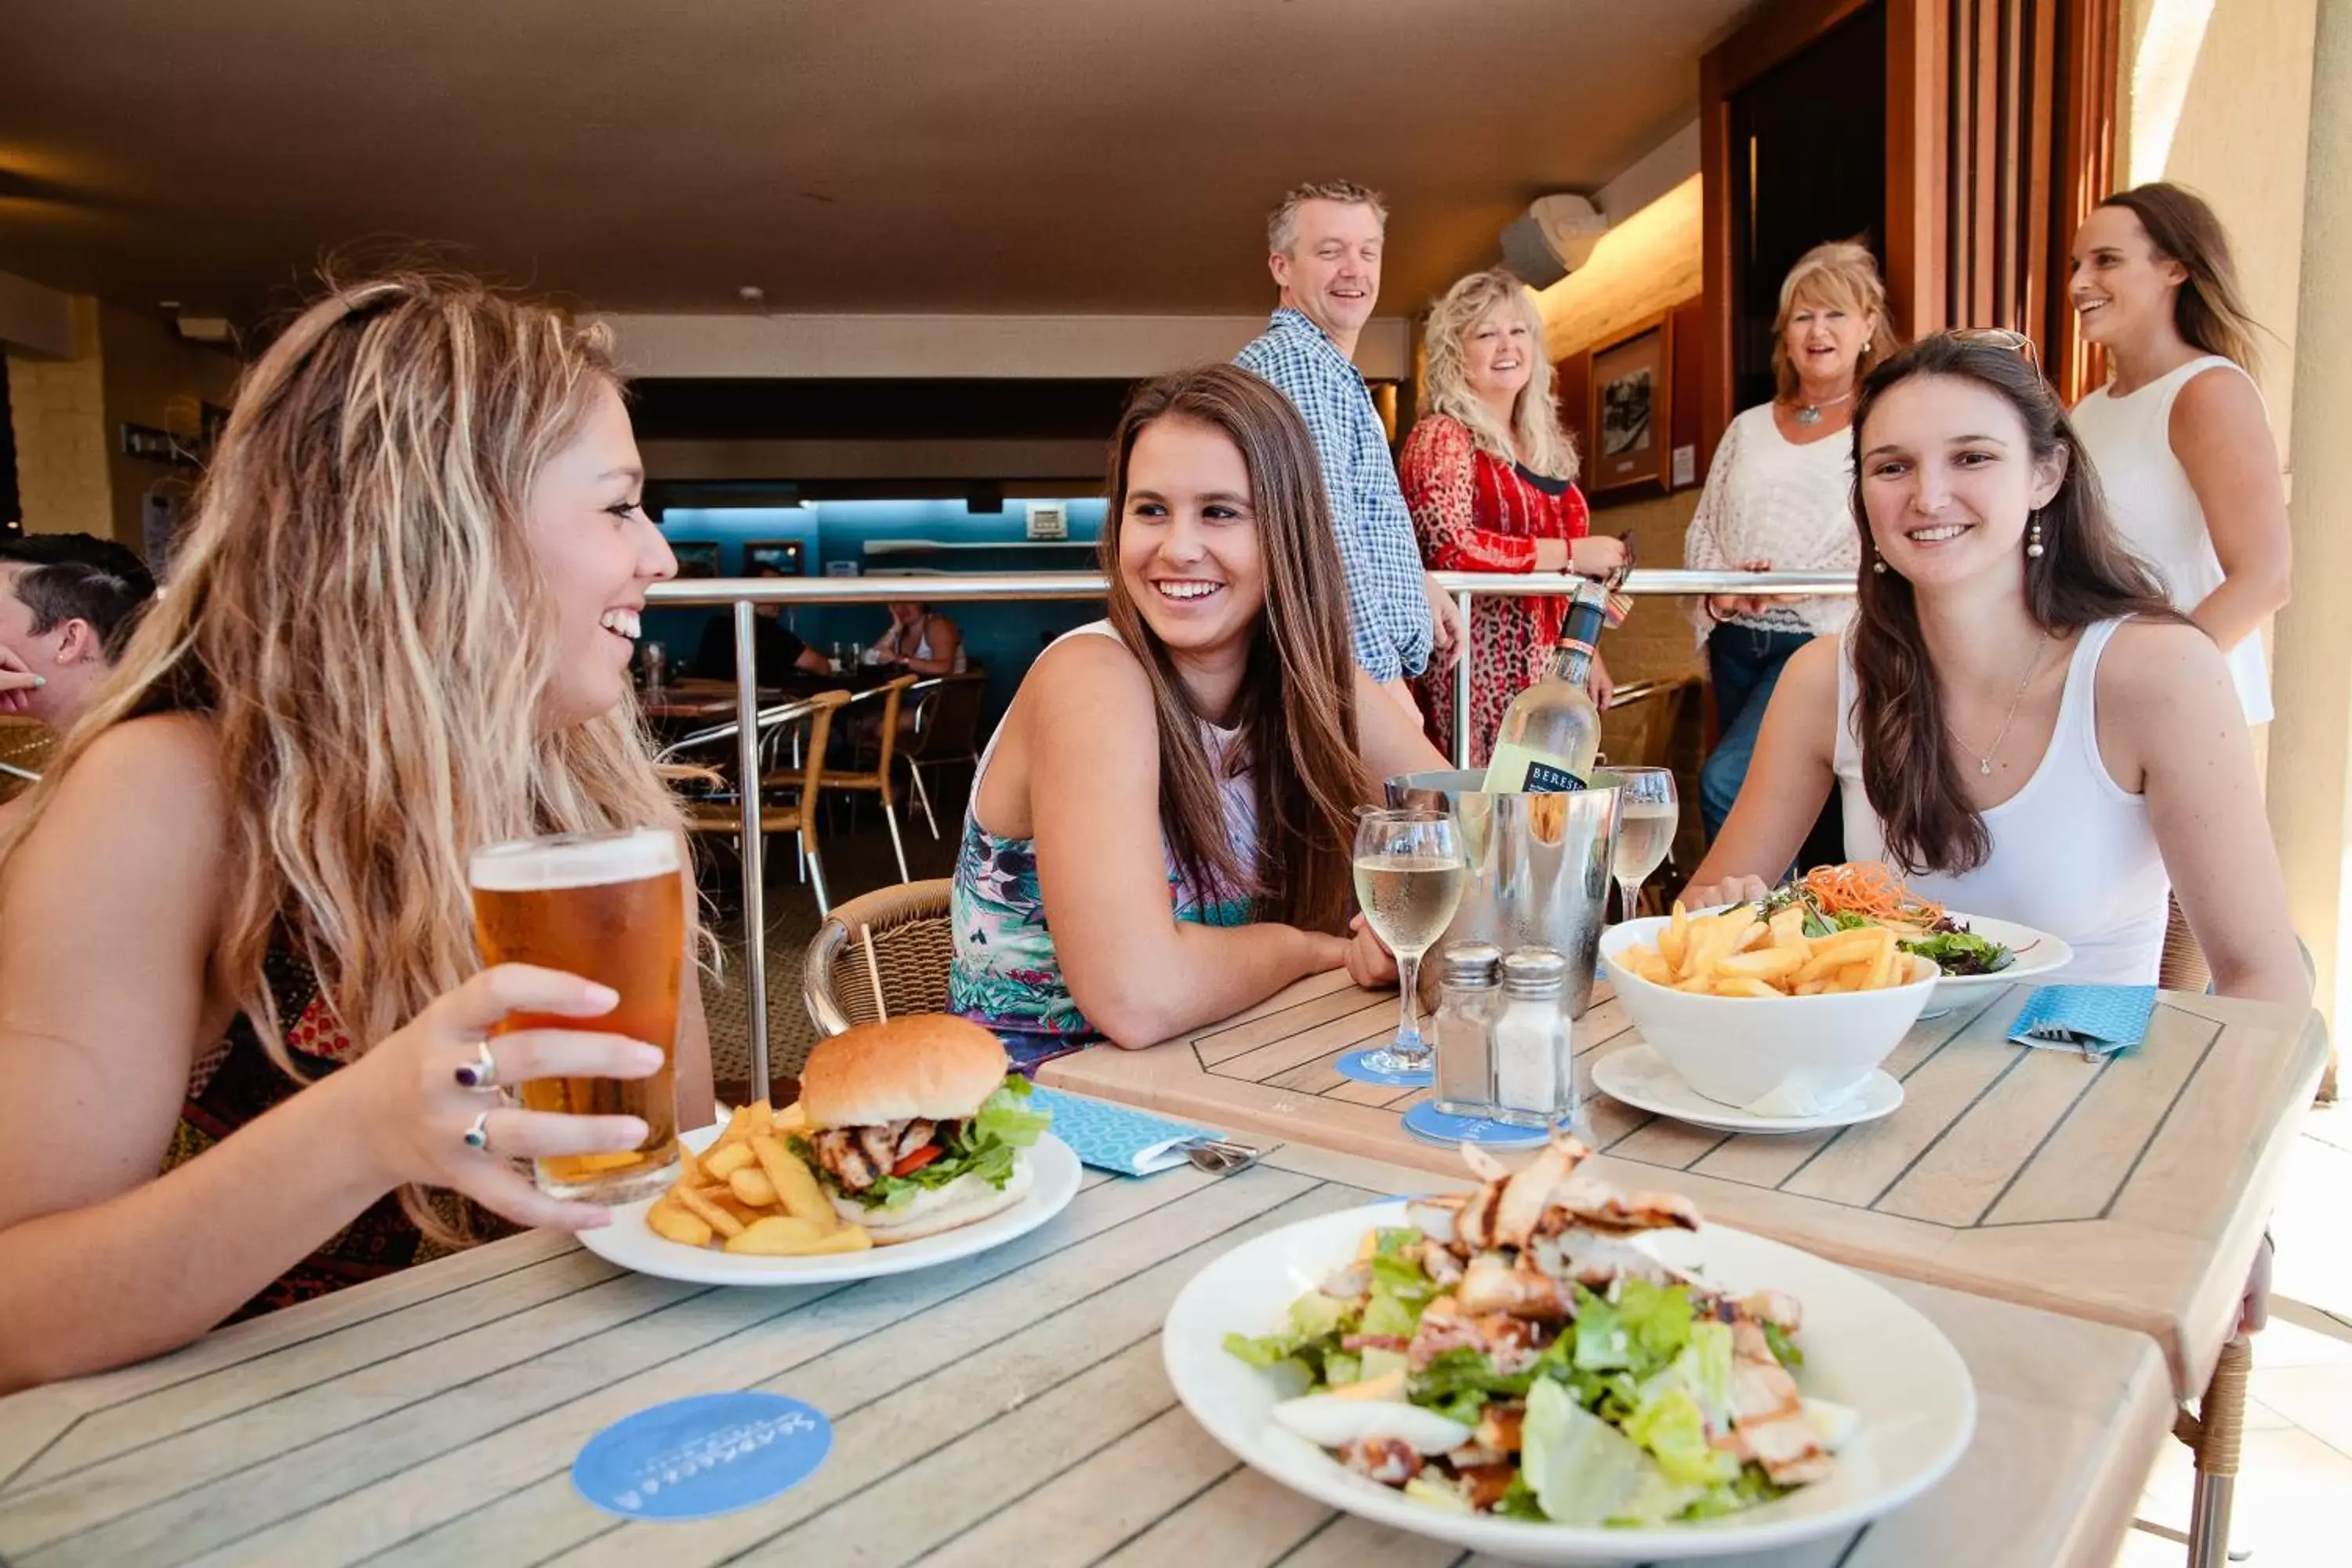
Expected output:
{"points": [[1163, 831]]}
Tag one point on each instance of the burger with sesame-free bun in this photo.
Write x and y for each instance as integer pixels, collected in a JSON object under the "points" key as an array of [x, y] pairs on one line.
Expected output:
{"points": [[917, 1125]]}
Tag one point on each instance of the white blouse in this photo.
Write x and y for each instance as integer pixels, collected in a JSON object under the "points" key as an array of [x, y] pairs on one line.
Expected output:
{"points": [[1769, 499]]}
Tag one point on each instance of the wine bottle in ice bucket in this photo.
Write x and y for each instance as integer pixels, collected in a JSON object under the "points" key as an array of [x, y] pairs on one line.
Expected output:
{"points": [[1551, 733]]}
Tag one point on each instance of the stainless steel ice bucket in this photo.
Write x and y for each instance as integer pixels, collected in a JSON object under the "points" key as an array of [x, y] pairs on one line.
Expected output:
{"points": [[1539, 867]]}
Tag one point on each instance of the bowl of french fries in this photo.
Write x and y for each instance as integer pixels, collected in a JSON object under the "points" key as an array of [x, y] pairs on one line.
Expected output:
{"points": [[1756, 1015]]}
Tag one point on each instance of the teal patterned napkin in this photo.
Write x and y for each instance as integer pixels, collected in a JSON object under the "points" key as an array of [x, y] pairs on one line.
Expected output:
{"points": [[1117, 1137], [2096, 1020]]}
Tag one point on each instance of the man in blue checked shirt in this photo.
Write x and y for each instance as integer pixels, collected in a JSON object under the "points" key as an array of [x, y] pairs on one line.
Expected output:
{"points": [[1324, 243]]}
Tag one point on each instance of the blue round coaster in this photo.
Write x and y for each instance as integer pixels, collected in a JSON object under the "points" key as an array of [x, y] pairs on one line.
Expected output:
{"points": [[693, 1458], [1354, 1066], [1430, 1125]]}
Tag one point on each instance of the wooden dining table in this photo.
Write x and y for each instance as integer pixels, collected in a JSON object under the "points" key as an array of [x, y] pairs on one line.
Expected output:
{"points": [[1009, 1407], [2131, 1190]]}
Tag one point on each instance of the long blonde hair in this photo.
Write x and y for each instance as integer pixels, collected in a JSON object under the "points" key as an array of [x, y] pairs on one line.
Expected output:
{"points": [[1535, 437], [356, 614]]}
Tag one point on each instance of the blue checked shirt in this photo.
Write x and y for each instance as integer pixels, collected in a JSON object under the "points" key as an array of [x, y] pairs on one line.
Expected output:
{"points": [[1385, 599]]}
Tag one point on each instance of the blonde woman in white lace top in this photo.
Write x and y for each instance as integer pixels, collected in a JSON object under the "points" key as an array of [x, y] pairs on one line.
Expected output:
{"points": [[1779, 497]]}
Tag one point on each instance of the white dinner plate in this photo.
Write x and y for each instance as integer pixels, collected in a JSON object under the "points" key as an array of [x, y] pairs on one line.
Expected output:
{"points": [[1863, 1347], [2031, 952], [631, 1243], [1640, 1077]]}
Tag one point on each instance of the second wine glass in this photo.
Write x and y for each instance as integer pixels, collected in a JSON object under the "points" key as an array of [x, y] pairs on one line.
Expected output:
{"points": [[1409, 874], [1646, 817]]}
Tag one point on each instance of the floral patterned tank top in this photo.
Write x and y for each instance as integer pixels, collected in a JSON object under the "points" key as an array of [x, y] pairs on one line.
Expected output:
{"points": [[1005, 973]]}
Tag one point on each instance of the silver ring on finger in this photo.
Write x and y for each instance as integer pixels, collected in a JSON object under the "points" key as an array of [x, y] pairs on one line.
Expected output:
{"points": [[477, 1135], [482, 1072]]}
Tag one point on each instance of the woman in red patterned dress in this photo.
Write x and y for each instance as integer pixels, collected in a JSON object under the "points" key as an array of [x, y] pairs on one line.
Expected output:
{"points": [[1491, 479]]}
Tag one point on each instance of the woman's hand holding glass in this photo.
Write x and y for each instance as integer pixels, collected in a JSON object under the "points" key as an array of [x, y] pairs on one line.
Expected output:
{"points": [[422, 1114]]}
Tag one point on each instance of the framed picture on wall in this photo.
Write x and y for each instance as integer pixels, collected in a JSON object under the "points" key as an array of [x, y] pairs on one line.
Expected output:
{"points": [[695, 559], [1630, 418], [781, 556]]}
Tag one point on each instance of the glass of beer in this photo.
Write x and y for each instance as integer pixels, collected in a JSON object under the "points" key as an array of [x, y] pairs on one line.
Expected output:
{"points": [[611, 908]]}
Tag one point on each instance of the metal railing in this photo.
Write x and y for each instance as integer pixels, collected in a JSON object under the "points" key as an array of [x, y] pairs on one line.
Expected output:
{"points": [[744, 592]]}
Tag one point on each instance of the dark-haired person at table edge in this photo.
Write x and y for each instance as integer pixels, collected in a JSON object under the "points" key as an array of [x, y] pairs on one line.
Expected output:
{"points": [[2019, 722], [776, 648]]}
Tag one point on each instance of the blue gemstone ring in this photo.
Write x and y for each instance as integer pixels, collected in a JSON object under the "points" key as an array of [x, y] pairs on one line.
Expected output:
{"points": [[482, 1072], [477, 1136]]}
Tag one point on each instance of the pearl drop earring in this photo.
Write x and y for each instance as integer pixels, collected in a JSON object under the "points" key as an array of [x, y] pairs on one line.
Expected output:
{"points": [[2033, 539]]}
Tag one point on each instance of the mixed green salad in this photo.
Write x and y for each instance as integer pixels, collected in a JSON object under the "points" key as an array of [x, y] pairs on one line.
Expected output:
{"points": [[1945, 940], [1542, 1368]]}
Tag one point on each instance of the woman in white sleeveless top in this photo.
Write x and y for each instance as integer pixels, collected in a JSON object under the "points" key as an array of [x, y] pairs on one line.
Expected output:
{"points": [[2183, 448], [1983, 741]]}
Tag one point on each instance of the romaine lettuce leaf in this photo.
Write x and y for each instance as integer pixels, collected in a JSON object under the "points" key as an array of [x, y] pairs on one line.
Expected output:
{"points": [[1585, 1472], [1670, 1427]]}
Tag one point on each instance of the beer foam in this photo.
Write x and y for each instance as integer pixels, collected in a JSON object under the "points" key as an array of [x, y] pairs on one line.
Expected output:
{"points": [[575, 860]]}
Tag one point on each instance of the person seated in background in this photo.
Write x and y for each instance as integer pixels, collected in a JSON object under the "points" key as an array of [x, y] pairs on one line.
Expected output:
{"points": [[67, 602], [1161, 830], [776, 648], [398, 630], [1490, 477], [920, 640], [2019, 722]]}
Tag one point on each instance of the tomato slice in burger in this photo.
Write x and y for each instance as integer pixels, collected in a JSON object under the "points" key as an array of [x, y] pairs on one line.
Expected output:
{"points": [[915, 1162]]}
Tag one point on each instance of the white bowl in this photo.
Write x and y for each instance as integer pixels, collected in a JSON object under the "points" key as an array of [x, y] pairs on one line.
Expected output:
{"points": [[1863, 1347], [1786, 1056]]}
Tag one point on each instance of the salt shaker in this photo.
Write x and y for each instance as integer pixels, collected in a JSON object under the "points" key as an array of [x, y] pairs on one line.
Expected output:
{"points": [[1469, 997], [1534, 1074]]}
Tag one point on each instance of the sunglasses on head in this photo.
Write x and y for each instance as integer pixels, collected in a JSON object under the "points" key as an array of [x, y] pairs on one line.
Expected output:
{"points": [[2016, 343]]}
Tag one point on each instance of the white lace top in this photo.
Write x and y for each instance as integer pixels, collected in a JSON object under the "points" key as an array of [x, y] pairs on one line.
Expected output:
{"points": [[1769, 499]]}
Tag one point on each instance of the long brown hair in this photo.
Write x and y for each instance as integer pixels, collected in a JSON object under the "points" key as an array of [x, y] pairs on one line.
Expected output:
{"points": [[1297, 711], [2085, 574], [2210, 309]]}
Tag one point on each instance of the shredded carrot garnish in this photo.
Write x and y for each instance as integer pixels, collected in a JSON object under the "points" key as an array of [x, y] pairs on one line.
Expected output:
{"points": [[1867, 887]]}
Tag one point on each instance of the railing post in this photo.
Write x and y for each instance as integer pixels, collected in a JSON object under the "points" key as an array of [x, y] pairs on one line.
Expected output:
{"points": [[1462, 685], [747, 761]]}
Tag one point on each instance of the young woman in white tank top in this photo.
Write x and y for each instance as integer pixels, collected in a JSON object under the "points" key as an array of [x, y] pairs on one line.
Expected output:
{"points": [[2179, 437], [1982, 739]]}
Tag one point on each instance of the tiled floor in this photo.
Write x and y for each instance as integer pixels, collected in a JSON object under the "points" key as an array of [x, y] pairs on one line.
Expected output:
{"points": [[2293, 1504], [2294, 1485]]}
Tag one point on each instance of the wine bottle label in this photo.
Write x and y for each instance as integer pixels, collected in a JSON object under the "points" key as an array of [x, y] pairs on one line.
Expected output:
{"points": [[1545, 779]]}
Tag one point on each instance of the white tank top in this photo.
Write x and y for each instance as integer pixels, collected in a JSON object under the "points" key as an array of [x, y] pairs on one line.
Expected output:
{"points": [[2149, 495], [2073, 853]]}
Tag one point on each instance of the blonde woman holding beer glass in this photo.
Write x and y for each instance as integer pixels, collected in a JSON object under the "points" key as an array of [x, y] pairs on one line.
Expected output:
{"points": [[236, 931]]}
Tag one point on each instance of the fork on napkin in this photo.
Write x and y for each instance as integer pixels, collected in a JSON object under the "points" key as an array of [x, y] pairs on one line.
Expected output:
{"points": [[2099, 1021], [1134, 1142]]}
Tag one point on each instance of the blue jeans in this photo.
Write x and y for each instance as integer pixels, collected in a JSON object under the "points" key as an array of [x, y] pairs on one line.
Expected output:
{"points": [[1746, 664]]}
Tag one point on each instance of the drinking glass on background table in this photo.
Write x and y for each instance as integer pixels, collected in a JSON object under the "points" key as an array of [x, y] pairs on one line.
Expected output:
{"points": [[611, 908], [1409, 874], [1646, 815]]}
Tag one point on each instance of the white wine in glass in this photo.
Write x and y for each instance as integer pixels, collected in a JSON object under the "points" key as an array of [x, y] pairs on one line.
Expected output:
{"points": [[1646, 817], [1409, 874]]}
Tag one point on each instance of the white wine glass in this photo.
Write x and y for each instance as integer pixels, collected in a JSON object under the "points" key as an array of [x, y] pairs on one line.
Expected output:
{"points": [[1409, 874], [1647, 814]]}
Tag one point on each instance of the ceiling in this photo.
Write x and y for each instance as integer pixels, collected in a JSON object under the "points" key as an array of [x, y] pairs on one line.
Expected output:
{"points": [[844, 155]]}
